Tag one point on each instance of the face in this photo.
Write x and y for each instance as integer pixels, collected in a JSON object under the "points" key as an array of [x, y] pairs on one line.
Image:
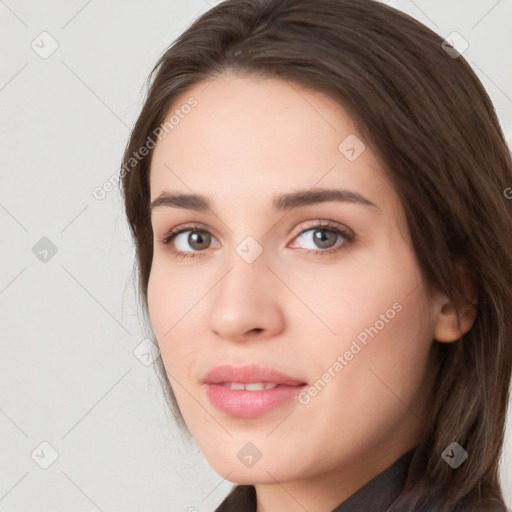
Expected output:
{"points": [[322, 292]]}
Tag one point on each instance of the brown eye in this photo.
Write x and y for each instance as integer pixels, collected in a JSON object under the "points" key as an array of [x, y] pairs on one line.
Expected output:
{"points": [[199, 240]]}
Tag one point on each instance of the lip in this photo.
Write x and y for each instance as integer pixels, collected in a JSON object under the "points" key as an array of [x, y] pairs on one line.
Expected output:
{"points": [[249, 404], [249, 373]]}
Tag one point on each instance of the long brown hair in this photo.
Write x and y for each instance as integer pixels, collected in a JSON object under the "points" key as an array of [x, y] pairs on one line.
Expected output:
{"points": [[432, 124]]}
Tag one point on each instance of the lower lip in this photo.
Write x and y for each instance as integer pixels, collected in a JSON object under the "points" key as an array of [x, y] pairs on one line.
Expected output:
{"points": [[249, 404]]}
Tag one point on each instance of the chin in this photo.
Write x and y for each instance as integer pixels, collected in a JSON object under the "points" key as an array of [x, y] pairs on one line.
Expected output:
{"points": [[236, 470]]}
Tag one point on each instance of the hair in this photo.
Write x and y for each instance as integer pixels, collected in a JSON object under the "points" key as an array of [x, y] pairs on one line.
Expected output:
{"points": [[433, 126]]}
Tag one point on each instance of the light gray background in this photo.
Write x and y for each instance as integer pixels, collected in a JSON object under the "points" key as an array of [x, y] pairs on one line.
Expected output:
{"points": [[70, 324]]}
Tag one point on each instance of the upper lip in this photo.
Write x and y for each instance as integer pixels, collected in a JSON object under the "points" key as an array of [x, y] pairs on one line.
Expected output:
{"points": [[249, 373]]}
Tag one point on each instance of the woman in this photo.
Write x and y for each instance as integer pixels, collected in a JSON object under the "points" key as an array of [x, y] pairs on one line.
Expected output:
{"points": [[317, 193]]}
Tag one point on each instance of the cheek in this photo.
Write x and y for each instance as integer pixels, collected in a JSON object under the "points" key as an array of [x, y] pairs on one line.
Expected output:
{"points": [[168, 297], [159, 302], [171, 304], [384, 383], [379, 321], [373, 288], [162, 305], [383, 335]]}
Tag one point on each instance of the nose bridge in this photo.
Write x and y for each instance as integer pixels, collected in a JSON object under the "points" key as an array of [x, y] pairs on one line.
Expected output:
{"points": [[247, 280], [245, 298], [247, 257]]}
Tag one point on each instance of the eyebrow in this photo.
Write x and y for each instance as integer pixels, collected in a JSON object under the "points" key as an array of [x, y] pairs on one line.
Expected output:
{"points": [[280, 203]]}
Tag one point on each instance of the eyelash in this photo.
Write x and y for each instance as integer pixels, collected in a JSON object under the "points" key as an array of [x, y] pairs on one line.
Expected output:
{"points": [[348, 237]]}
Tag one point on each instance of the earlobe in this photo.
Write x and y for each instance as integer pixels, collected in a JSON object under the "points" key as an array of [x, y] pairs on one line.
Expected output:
{"points": [[454, 320]]}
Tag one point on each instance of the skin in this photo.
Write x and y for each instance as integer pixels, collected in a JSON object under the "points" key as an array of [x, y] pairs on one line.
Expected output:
{"points": [[247, 140]]}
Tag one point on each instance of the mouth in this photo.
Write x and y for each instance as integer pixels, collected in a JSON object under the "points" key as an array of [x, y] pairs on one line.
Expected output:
{"points": [[250, 386], [249, 391]]}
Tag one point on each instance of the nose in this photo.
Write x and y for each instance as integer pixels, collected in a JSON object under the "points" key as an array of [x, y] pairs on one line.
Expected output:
{"points": [[246, 303]]}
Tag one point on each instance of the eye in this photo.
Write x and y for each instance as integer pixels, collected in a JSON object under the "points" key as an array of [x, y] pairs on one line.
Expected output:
{"points": [[323, 238], [185, 238]]}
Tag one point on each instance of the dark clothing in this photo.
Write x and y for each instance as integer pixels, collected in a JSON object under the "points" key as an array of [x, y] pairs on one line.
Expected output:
{"points": [[375, 496]]}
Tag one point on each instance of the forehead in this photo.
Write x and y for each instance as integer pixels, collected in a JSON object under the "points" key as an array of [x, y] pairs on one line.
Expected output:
{"points": [[253, 136]]}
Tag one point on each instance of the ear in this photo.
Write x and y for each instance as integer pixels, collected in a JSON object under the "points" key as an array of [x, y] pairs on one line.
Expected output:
{"points": [[452, 322]]}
